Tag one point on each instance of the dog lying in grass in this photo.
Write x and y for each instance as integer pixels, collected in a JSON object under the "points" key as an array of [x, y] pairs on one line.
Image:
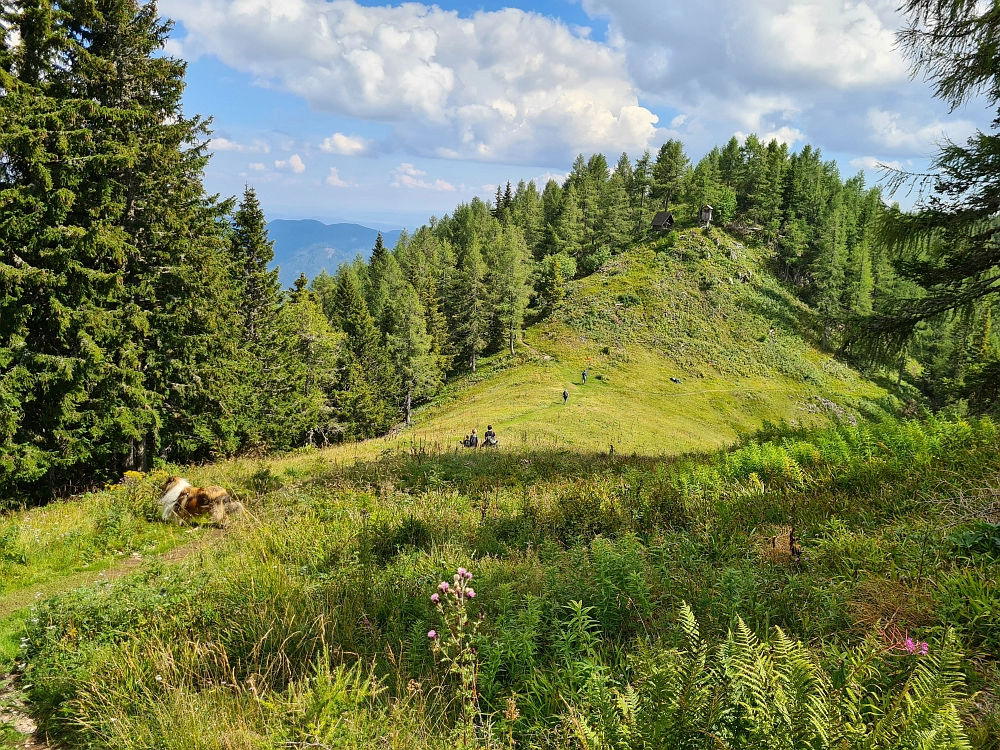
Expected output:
{"points": [[181, 502]]}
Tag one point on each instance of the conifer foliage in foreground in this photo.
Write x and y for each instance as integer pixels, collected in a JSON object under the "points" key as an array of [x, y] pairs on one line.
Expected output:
{"points": [[135, 319], [116, 321]]}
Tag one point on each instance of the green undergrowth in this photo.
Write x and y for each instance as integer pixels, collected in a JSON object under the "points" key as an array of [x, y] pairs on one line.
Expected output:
{"points": [[68, 542], [621, 602], [689, 342]]}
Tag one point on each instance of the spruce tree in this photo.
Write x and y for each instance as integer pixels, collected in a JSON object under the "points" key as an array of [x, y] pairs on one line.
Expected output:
{"points": [[298, 367], [116, 308], [367, 382], [252, 252], [552, 201], [527, 214], [642, 178]]}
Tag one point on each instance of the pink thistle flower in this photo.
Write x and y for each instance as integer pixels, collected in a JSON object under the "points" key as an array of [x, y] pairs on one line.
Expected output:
{"points": [[432, 634], [444, 586], [435, 598], [468, 576], [470, 593], [462, 572]]}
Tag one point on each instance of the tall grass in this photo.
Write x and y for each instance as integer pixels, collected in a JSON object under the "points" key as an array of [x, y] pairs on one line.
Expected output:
{"points": [[307, 624]]}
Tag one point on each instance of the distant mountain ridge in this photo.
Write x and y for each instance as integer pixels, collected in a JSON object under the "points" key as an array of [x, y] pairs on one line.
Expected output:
{"points": [[308, 246]]}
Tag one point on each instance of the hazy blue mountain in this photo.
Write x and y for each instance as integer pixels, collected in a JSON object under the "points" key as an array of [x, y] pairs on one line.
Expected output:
{"points": [[308, 246]]}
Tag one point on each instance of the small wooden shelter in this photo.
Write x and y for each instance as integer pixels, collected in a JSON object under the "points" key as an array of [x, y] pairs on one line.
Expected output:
{"points": [[663, 221], [705, 216]]}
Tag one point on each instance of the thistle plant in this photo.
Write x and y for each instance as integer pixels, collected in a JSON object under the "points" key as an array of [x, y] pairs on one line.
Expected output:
{"points": [[453, 644]]}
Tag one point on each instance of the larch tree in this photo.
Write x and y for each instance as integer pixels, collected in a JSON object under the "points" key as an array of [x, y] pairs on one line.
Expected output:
{"points": [[472, 318], [510, 283], [669, 170]]}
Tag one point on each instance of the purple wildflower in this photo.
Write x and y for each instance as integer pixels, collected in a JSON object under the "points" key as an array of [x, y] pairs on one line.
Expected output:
{"points": [[911, 647], [444, 586], [923, 649], [435, 598], [462, 572], [468, 576], [432, 634], [470, 593]]}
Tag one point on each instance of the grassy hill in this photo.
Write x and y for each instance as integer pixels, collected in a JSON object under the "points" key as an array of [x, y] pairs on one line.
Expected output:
{"points": [[814, 585], [697, 306]]}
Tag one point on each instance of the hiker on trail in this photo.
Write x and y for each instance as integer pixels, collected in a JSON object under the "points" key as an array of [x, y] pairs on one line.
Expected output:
{"points": [[465, 442], [490, 438], [585, 377], [474, 440], [565, 396]]}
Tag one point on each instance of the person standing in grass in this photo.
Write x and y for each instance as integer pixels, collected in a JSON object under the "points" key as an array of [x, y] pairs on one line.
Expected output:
{"points": [[565, 396], [585, 376], [474, 440]]}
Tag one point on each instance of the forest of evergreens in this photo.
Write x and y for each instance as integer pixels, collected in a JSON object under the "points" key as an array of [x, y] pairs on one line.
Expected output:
{"points": [[139, 320]]}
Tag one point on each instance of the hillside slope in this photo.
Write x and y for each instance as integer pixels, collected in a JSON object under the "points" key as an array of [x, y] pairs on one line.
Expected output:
{"points": [[699, 307]]}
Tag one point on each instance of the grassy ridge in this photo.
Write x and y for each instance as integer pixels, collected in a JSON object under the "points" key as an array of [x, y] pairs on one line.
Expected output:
{"points": [[678, 308], [309, 623]]}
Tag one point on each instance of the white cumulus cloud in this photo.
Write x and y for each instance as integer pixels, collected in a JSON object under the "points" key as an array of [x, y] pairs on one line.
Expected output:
{"points": [[892, 130], [408, 176], [224, 144], [292, 164], [346, 145], [333, 179], [505, 85], [256, 166]]}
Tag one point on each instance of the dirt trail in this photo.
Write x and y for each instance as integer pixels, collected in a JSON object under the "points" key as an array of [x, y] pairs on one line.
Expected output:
{"points": [[13, 712]]}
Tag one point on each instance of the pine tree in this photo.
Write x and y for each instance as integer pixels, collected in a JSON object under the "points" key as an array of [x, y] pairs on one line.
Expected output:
{"points": [[947, 245]]}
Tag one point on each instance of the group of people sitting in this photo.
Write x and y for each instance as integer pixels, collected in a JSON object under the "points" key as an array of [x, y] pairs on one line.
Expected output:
{"points": [[489, 439]]}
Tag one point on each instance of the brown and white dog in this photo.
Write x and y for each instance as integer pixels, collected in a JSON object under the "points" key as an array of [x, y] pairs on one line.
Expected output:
{"points": [[181, 502]]}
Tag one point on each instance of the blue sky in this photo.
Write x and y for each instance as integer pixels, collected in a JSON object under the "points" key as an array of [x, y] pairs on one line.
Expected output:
{"points": [[387, 114]]}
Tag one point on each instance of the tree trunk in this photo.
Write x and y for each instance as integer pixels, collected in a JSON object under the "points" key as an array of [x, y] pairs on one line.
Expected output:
{"points": [[512, 341], [472, 360], [409, 403]]}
